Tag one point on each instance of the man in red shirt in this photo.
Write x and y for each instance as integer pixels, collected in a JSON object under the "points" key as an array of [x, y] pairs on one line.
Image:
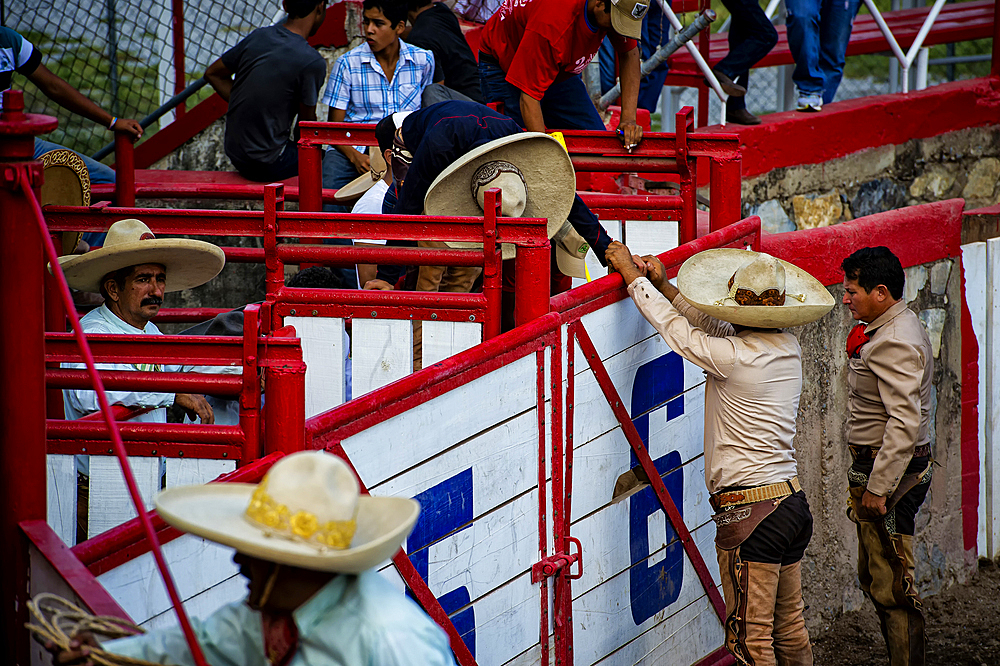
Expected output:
{"points": [[532, 52]]}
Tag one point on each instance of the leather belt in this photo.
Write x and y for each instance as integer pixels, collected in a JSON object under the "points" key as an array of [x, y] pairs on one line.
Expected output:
{"points": [[869, 452], [721, 500]]}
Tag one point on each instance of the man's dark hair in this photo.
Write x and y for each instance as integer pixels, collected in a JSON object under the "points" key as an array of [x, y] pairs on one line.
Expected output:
{"points": [[384, 132], [301, 8], [414, 5], [394, 10], [316, 277], [872, 266], [119, 276]]}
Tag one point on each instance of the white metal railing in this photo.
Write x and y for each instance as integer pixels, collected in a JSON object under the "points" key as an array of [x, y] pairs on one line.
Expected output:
{"points": [[916, 52]]}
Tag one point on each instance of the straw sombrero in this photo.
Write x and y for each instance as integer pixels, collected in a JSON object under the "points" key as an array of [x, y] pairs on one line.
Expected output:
{"points": [[717, 281], [65, 182], [364, 182], [306, 512], [544, 170], [189, 263]]}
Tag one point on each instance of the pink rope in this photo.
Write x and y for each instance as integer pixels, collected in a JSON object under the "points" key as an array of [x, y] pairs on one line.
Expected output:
{"points": [[116, 438]]}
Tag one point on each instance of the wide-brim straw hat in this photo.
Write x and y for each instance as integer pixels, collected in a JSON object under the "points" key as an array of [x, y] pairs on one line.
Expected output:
{"points": [[364, 182], [311, 487], [188, 263], [549, 181], [65, 182], [704, 278]]}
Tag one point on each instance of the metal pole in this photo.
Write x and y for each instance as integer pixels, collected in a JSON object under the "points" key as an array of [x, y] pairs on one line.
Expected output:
{"points": [[680, 38], [285, 408], [179, 75], [531, 283], [22, 365], [124, 170], [113, 56], [157, 114], [310, 178], [725, 180]]}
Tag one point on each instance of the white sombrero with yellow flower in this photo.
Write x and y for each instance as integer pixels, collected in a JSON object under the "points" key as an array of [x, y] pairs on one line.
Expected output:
{"points": [[306, 512]]}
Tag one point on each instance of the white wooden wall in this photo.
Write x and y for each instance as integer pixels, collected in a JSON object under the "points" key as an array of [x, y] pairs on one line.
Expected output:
{"points": [[642, 237], [381, 351], [981, 263]]}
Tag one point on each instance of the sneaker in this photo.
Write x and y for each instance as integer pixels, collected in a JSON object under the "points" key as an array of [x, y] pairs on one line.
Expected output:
{"points": [[809, 102]]}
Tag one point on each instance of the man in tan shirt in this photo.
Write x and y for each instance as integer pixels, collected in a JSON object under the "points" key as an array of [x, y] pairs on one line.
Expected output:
{"points": [[754, 379], [890, 370]]}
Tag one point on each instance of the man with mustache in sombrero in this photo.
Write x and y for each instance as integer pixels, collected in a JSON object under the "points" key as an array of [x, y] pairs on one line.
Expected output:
{"points": [[132, 271], [727, 318]]}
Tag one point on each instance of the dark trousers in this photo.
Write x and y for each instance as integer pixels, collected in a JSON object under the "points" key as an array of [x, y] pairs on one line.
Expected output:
{"points": [[286, 166], [565, 105], [751, 37]]}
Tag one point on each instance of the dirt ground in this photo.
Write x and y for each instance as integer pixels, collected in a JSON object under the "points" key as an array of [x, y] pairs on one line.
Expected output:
{"points": [[963, 628]]}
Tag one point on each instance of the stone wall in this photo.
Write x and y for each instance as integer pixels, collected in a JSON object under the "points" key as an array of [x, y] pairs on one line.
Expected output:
{"points": [[965, 163], [830, 585]]}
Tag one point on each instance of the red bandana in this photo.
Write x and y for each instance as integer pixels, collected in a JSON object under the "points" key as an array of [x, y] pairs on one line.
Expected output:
{"points": [[855, 339], [281, 637]]}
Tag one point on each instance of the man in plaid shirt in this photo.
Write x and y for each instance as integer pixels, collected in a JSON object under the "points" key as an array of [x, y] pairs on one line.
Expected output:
{"points": [[380, 77]]}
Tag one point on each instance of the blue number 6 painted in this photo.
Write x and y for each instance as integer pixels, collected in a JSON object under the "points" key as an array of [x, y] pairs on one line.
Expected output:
{"points": [[653, 588]]}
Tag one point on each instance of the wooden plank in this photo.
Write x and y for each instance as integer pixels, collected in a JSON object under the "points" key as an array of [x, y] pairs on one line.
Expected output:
{"points": [[603, 621], [61, 495], [406, 440], [203, 604], [974, 267], [192, 471], [602, 460], [688, 636], [109, 504], [443, 339], [197, 565], [992, 406], [651, 236], [323, 342], [382, 353]]}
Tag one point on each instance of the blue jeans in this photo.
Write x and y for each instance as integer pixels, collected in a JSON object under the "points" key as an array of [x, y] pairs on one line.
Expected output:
{"points": [[818, 32], [566, 104], [99, 174], [751, 37], [655, 33]]}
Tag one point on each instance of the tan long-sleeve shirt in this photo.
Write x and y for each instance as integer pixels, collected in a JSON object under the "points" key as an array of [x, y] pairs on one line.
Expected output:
{"points": [[889, 388], [754, 379]]}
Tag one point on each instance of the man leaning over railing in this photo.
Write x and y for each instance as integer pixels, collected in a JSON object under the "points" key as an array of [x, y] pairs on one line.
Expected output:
{"points": [[131, 272]]}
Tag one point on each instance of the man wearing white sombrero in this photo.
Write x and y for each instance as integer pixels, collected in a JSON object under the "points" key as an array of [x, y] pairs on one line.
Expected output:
{"points": [[448, 155], [726, 317], [132, 271], [308, 544]]}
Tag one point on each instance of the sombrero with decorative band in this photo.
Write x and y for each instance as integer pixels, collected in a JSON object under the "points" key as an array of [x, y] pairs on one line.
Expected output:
{"points": [[65, 182], [364, 182], [532, 169], [306, 512], [752, 289], [189, 263]]}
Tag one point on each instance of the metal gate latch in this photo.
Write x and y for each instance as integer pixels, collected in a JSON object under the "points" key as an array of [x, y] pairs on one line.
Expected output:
{"points": [[552, 564]]}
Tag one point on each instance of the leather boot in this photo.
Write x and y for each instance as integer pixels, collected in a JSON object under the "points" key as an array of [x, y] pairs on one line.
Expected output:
{"points": [[791, 639], [750, 589]]}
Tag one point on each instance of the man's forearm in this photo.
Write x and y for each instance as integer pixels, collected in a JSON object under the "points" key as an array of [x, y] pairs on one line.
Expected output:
{"points": [[222, 85], [531, 113], [630, 78]]}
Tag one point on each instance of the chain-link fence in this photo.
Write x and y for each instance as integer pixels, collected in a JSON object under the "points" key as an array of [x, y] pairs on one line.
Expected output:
{"points": [[121, 54]]}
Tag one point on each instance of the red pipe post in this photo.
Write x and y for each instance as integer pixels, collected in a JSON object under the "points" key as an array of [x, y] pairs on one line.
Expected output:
{"points": [[724, 192], [531, 283], [124, 170], [310, 177], [285, 408], [22, 364]]}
